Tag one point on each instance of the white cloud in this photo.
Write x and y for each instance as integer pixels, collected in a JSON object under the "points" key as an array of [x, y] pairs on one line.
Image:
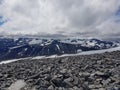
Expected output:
{"points": [[68, 17]]}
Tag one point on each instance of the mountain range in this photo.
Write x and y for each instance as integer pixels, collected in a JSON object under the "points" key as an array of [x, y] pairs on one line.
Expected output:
{"points": [[11, 48]]}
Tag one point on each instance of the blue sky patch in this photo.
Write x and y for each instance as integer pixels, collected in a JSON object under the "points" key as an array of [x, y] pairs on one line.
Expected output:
{"points": [[2, 21], [118, 12]]}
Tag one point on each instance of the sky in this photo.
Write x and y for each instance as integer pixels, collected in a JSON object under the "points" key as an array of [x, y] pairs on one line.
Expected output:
{"points": [[76, 18]]}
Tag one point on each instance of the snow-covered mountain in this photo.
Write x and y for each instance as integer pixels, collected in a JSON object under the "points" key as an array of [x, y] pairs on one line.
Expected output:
{"points": [[11, 48]]}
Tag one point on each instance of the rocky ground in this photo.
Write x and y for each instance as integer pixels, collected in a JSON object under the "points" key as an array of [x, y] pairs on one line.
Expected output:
{"points": [[86, 72]]}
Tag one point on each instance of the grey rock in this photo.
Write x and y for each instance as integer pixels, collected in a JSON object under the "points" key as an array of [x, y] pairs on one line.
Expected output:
{"points": [[68, 82], [51, 87]]}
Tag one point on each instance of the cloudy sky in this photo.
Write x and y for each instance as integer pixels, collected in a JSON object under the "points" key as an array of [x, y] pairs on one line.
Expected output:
{"points": [[84, 18]]}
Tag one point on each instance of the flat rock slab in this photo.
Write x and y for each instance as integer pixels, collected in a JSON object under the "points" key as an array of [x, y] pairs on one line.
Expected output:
{"points": [[17, 85]]}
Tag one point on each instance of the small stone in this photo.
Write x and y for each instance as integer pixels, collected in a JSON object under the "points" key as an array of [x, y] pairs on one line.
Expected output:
{"points": [[51, 87], [102, 74], [84, 74], [91, 86], [102, 89], [76, 80], [35, 76], [63, 71], [61, 88], [76, 88], [95, 86], [99, 62], [48, 78], [68, 82], [57, 81], [106, 82]]}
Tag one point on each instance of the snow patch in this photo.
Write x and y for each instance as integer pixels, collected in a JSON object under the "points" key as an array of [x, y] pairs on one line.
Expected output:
{"points": [[16, 47], [58, 47], [34, 41]]}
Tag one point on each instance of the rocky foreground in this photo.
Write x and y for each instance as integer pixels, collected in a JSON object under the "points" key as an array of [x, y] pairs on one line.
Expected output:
{"points": [[86, 72]]}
